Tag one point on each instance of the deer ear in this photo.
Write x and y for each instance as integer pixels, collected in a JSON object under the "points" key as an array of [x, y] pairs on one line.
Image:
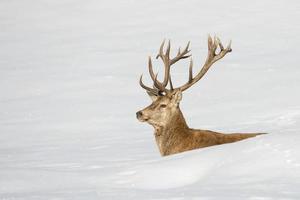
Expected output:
{"points": [[152, 96], [176, 96]]}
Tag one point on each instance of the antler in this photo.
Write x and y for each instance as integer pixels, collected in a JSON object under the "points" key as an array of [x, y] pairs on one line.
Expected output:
{"points": [[212, 57], [160, 87]]}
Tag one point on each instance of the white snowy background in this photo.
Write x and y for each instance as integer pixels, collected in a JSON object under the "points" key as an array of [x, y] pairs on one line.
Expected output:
{"points": [[69, 92]]}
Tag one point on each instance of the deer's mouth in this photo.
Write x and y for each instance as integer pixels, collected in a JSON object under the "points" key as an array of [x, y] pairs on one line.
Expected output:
{"points": [[142, 119]]}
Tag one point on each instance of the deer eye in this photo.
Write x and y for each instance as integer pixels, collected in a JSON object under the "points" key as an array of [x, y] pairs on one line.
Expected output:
{"points": [[163, 106]]}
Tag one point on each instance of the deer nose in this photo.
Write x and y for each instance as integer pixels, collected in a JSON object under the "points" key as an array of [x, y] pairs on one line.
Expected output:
{"points": [[139, 114]]}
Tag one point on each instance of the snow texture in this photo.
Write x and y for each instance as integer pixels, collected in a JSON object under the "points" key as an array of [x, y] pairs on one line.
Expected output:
{"points": [[69, 92]]}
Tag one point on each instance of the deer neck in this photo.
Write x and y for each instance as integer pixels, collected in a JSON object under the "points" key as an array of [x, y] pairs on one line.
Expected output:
{"points": [[172, 133]]}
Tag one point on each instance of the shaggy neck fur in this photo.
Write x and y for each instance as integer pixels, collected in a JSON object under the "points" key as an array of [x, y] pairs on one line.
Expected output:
{"points": [[169, 136]]}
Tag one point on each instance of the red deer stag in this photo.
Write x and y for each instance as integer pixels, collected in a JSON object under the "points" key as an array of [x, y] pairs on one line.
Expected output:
{"points": [[172, 133]]}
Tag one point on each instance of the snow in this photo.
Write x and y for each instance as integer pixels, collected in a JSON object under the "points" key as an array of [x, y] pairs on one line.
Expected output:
{"points": [[69, 92]]}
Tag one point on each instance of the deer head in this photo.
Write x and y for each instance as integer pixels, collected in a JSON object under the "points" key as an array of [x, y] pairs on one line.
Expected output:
{"points": [[164, 109]]}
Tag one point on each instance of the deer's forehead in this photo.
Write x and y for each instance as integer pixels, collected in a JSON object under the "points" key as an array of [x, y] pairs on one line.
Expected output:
{"points": [[162, 99]]}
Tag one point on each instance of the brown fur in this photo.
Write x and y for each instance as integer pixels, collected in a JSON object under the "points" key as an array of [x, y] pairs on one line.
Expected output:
{"points": [[173, 135]]}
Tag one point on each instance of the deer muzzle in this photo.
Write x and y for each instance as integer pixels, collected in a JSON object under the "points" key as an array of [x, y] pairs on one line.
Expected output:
{"points": [[140, 116]]}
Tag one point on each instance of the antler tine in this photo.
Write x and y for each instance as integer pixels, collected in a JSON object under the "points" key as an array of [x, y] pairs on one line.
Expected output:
{"points": [[165, 58], [158, 85], [209, 43], [212, 57], [229, 47], [161, 49], [191, 70], [220, 44], [187, 47], [168, 49], [148, 89], [171, 84], [150, 67]]}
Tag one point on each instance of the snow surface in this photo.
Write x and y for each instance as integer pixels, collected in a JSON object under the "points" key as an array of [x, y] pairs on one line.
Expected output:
{"points": [[69, 92]]}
